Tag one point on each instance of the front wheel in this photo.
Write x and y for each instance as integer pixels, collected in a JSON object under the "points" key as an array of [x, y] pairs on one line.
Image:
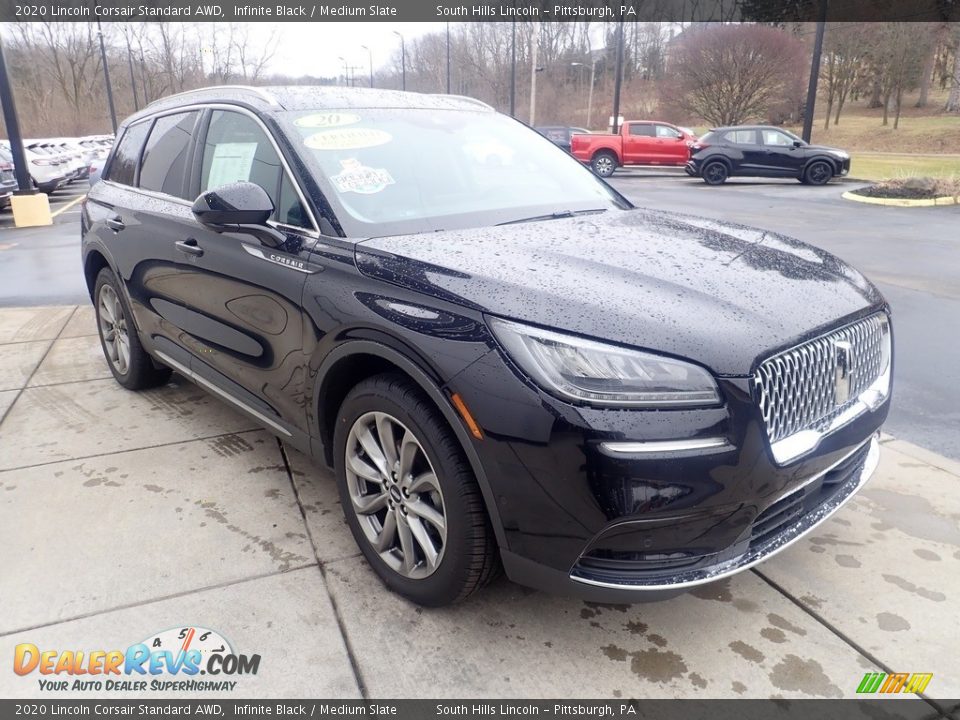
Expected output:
{"points": [[409, 496], [603, 164], [715, 173], [818, 172]]}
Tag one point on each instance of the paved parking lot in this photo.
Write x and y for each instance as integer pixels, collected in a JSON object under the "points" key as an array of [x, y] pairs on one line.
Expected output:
{"points": [[125, 514]]}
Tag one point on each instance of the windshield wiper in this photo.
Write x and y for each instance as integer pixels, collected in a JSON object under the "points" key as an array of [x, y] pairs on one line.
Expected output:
{"points": [[559, 215]]}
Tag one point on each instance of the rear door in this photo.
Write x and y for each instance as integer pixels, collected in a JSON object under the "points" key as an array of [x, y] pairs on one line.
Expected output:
{"points": [[639, 144], [242, 298], [138, 227], [746, 152]]}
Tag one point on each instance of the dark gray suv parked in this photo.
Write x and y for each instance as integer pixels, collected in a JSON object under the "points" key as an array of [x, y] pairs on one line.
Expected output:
{"points": [[503, 361]]}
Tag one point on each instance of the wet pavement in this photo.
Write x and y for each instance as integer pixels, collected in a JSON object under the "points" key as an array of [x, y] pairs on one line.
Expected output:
{"points": [[125, 514]]}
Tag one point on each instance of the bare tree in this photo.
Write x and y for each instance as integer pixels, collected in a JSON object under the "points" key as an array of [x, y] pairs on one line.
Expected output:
{"points": [[727, 74], [900, 50], [953, 99], [842, 63], [70, 53]]}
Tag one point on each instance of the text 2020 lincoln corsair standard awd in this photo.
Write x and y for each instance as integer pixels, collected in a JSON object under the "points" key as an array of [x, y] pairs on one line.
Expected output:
{"points": [[503, 361]]}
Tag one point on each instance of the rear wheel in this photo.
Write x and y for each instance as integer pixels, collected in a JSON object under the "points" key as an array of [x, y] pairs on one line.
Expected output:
{"points": [[604, 163], [818, 172], [715, 173], [128, 361], [410, 498]]}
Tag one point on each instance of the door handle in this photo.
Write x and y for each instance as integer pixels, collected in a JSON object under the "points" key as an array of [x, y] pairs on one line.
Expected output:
{"points": [[115, 223], [189, 246]]}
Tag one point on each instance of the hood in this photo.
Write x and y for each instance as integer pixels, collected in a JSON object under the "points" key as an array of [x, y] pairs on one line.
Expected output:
{"points": [[824, 148], [721, 294]]}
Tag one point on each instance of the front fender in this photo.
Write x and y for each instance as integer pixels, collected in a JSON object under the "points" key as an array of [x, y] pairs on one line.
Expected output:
{"points": [[429, 382]]}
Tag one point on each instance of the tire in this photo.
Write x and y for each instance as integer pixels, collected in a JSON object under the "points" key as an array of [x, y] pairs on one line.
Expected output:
{"points": [[130, 364], [48, 188], [465, 554], [603, 164], [715, 172], [819, 172]]}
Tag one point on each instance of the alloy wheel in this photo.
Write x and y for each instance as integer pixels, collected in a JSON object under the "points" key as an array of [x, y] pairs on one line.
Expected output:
{"points": [[819, 173], [395, 494], [113, 329], [715, 173], [604, 166]]}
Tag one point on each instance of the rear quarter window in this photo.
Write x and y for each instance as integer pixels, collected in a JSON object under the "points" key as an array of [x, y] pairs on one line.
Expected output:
{"points": [[741, 137], [123, 167]]}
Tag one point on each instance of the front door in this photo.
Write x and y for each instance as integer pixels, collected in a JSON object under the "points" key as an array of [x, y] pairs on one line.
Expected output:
{"points": [[782, 156], [671, 147], [242, 297]]}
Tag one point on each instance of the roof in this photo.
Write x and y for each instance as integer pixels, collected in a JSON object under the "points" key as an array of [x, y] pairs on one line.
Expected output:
{"points": [[314, 97], [745, 127]]}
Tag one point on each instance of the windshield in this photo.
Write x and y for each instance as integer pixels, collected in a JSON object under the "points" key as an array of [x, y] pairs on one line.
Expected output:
{"points": [[390, 171]]}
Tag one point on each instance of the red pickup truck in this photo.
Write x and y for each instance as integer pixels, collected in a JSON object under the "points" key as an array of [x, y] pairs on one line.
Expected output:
{"points": [[640, 142]]}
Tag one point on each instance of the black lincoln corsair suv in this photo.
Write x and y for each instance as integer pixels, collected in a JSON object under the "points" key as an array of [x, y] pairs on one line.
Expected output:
{"points": [[505, 363]]}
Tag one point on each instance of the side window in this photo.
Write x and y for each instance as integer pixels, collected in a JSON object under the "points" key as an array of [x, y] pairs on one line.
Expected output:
{"points": [[236, 149], [123, 167], [640, 129], [742, 137], [165, 157], [667, 132], [775, 137]]}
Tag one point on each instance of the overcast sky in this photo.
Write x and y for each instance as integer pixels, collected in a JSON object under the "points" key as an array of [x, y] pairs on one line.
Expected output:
{"points": [[314, 48]]}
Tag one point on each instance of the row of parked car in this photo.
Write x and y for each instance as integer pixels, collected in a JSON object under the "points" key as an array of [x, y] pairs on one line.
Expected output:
{"points": [[742, 150], [54, 162]]}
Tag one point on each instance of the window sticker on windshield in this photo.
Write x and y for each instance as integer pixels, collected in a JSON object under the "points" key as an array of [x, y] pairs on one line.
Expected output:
{"points": [[231, 163], [326, 120], [358, 178], [347, 139]]}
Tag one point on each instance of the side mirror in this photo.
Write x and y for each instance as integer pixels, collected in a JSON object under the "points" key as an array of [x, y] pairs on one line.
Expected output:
{"points": [[240, 207], [797, 143]]}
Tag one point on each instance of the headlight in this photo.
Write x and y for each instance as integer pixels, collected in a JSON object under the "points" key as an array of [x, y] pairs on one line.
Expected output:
{"points": [[842, 154], [602, 374]]}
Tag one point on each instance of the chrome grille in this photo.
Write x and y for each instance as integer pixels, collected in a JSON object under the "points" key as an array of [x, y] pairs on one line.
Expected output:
{"points": [[797, 389]]}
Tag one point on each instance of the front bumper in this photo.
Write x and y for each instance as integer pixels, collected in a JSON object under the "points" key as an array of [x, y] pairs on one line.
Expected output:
{"points": [[790, 518], [584, 509]]}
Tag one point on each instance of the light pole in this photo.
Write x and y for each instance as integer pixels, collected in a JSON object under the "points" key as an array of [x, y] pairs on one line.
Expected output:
{"points": [[513, 66], [133, 81], [448, 58], [618, 81], [370, 55], [106, 77], [403, 60], [143, 79], [345, 77], [593, 73]]}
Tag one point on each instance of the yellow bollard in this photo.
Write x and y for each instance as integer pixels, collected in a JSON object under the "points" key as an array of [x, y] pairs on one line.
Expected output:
{"points": [[31, 210]]}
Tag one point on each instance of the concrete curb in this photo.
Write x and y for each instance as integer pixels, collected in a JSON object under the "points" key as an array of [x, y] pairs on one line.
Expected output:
{"points": [[901, 202]]}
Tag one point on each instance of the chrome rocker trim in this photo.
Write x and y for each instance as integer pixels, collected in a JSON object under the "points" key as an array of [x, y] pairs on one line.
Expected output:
{"points": [[220, 392], [749, 559]]}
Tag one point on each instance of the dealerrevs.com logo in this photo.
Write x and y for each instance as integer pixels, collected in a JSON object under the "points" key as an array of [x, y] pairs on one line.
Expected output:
{"points": [[172, 660]]}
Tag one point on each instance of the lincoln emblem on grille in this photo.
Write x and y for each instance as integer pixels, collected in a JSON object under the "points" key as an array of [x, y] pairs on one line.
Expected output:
{"points": [[843, 353]]}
